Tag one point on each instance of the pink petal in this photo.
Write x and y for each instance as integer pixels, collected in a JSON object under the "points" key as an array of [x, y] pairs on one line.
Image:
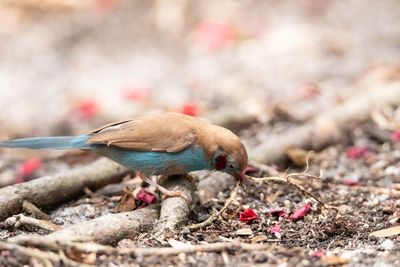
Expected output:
{"points": [[250, 169], [395, 136], [137, 92], [147, 197], [357, 152], [300, 213], [213, 36], [248, 216], [275, 229], [30, 166], [319, 253]]}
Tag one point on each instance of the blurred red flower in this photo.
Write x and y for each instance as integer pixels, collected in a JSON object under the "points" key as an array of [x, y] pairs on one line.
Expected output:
{"points": [[213, 36], [29, 166], [137, 92], [190, 108], [87, 109]]}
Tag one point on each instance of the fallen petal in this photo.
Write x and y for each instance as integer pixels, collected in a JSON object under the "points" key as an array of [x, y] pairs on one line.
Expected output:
{"points": [[248, 216], [300, 213], [275, 229], [30, 166]]}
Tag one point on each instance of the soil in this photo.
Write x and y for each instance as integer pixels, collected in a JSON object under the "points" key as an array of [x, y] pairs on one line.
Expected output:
{"points": [[266, 72]]}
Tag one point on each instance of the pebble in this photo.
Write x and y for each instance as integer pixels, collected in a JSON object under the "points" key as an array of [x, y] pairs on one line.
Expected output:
{"points": [[387, 245]]}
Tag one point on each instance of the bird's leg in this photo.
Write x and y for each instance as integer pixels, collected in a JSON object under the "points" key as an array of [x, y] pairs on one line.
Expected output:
{"points": [[163, 190]]}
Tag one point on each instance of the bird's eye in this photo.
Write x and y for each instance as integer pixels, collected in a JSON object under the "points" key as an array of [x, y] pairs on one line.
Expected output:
{"points": [[220, 162]]}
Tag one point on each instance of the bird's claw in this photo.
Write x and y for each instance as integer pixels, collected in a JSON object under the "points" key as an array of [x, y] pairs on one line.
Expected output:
{"points": [[174, 193]]}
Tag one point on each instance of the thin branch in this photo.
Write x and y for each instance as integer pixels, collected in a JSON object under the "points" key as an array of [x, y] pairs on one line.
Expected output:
{"points": [[215, 215], [289, 179], [38, 254]]}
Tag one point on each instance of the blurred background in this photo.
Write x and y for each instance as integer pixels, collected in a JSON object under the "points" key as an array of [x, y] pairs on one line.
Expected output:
{"points": [[68, 66]]}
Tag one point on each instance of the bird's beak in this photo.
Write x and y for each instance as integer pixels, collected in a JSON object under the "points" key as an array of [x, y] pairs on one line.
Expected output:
{"points": [[239, 176]]}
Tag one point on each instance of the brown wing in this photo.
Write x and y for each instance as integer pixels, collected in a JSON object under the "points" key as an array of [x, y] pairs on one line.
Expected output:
{"points": [[162, 132]]}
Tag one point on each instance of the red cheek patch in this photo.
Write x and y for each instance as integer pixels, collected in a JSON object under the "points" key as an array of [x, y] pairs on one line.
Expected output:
{"points": [[220, 162]]}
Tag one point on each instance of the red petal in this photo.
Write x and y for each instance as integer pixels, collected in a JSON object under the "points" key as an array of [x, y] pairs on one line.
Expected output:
{"points": [[275, 229], [190, 108], [29, 166], [146, 197], [213, 36], [298, 214], [395, 136], [248, 216]]}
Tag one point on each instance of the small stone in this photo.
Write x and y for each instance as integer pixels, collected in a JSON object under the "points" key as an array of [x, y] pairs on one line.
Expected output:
{"points": [[244, 231], [387, 245]]}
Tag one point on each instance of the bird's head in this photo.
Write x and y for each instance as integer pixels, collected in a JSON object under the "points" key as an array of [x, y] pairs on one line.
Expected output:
{"points": [[231, 155]]}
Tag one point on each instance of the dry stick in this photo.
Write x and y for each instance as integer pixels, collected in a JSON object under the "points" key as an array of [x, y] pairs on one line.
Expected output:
{"points": [[21, 221], [287, 178], [175, 210], [42, 242], [108, 229], [41, 255], [355, 109], [215, 215], [50, 190], [33, 210]]}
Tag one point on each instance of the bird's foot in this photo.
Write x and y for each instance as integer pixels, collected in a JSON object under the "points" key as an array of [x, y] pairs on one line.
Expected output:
{"points": [[166, 193], [172, 193]]}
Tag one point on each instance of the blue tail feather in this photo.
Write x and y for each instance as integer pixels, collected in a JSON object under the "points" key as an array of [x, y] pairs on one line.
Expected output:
{"points": [[55, 142]]}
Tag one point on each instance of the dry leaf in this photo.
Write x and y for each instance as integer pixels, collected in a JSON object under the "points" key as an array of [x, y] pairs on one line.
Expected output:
{"points": [[127, 201], [391, 231]]}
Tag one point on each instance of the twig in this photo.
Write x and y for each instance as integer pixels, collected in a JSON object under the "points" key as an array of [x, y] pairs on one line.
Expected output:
{"points": [[108, 229], [31, 209], [325, 128], [214, 247], [21, 221], [163, 251], [288, 178], [50, 190], [175, 210], [38, 254], [215, 215]]}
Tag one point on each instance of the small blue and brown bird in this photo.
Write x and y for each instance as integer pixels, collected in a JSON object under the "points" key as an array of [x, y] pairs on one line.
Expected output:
{"points": [[157, 144]]}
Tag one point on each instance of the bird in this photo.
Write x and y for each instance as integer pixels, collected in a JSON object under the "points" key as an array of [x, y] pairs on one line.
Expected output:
{"points": [[156, 144]]}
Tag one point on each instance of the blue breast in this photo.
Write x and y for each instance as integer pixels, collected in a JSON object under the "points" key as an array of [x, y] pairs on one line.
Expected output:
{"points": [[156, 163]]}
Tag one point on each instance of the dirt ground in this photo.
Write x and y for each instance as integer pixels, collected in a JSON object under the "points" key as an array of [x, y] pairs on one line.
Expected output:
{"points": [[261, 69]]}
